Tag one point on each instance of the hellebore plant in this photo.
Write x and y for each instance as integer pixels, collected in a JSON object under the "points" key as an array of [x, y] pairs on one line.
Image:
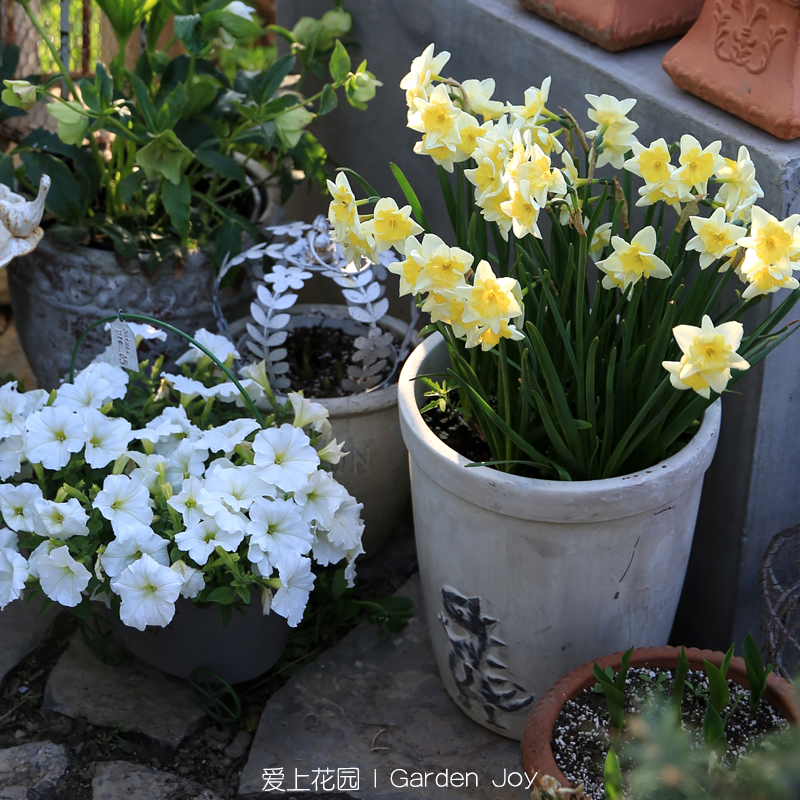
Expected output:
{"points": [[563, 374], [137, 489], [155, 159]]}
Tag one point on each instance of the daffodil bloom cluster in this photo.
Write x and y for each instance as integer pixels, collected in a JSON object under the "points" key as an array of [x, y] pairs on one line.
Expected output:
{"points": [[596, 303], [198, 502], [482, 312]]}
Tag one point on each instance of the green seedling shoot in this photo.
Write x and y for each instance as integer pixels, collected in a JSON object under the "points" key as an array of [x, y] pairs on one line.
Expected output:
{"points": [[614, 690], [676, 698], [757, 673], [719, 696], [613, 776]]}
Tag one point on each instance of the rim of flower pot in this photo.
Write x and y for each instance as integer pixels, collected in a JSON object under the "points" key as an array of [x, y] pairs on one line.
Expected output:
{"points": [[549, 500], [366, 402], [537, 755]]}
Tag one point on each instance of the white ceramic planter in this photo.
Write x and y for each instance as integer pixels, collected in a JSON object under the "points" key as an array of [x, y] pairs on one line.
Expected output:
{"points": [[526, 579], [376, 470]]}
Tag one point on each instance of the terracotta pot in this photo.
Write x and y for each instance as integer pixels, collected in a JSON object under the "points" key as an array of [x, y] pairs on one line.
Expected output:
{"points": [[619, 24], [744, 56], [536, 753]]}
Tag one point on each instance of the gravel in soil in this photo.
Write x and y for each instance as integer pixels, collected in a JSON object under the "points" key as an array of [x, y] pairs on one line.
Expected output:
{"points": [[213, 756], [318, 358], [580, 736]]}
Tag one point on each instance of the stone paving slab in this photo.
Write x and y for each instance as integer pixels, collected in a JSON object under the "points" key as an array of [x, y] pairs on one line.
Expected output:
{"points": [[20, 631], [122, 780], [376, 702], [31, 771], [135, 696]]}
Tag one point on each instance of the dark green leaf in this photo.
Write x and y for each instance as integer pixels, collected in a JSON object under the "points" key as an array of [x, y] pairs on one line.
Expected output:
{"points": [[328, 101], [64, 199], [176, 201], [340, 63], [411, 197], [189, 29], [225, 166]]}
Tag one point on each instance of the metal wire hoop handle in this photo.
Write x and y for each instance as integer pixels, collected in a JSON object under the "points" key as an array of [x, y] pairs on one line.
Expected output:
{"points": [[172, 329]]}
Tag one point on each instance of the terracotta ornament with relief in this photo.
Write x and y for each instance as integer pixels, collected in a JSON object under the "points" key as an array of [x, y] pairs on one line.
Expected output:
{"points": [[744, 56], [619, 24], [537, 755]]}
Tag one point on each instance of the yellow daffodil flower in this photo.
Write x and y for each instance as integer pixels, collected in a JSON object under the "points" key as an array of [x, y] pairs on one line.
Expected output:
{"points": [[709, 352], [770, 240], [490, 300], [409, 269], [523, 208], [441, 268], [342, 210], [738, 179], [630, 262], [478, 96], [435, 118], [487, 338], [650, 163], [535, 100], [607, 110], [716, 238], [698, 164], [763, 278], [424, 69], [600, 238], [391, 226]]}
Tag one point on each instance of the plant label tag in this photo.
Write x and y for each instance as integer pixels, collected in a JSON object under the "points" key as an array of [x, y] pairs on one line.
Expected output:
{"points": [[123, 345]]}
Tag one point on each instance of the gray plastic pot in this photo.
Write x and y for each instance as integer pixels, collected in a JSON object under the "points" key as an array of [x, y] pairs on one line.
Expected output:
{"points": [[525, 579], [56, 293], [245, 648], [376, 470]]}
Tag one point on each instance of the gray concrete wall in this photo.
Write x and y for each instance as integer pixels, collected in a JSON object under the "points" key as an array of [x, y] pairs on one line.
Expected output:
{"points": [[750, 492]]}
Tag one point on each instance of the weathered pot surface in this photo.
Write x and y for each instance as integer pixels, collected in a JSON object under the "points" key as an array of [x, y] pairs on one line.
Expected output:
{"points": [[57, 292], [537, 755], [504, 560], [376, 470], [245, 648], [619, 24], [744, 58]]}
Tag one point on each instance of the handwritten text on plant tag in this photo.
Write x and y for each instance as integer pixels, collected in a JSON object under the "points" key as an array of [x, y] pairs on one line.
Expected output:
{"points": [[123, 345]]}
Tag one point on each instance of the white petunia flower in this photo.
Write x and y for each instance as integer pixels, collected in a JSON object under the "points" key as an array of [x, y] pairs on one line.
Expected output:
{"points": [[186, 503], [13, 574], [106, 438], [193, 581], [333, 452], [116, 377], [62, 577], [44, 549], [285, 456], [297, 582], [347, 527], [148, 592], [88, 391], [325, 551], [277, 528], [188, 388], [350, 569], [10, 457], [180, 429], [220, 346], [12, 410], [187, 459], [9, 540], [53, 434], [235, 487], [200, 540], [17, 505], [320, 498], [127, 548], [225, 437], [147, 470], [35, 400], [143, 332], [306, 412], [60, 520], [125, 502]]}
